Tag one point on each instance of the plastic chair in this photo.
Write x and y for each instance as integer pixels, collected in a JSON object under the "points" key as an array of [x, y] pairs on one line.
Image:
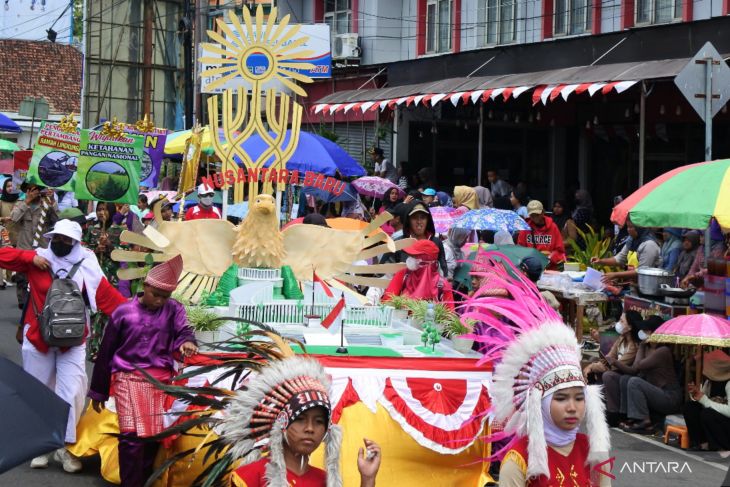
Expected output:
{"points": [[680, 431]]}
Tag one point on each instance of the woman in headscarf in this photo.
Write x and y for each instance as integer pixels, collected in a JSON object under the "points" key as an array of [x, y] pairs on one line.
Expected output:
{"points": [[707, 415], [718, 249], [583, 213], [671, 247], [418, 224], [465, 196], [690, 247], [421, 278], [8, 199], [641, 241], [60, 369], [456, 238], [563, 220], [443, 199], [484, 196], [503, 237]]}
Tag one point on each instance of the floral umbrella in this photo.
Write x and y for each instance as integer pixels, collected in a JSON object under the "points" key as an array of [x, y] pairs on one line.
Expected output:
{"points": [[445, 216], [375, 186], [686, 197], [491, 219], [700, 329]]}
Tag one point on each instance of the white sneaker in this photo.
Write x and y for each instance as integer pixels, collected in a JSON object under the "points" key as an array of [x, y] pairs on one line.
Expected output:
{"points": [[71, 464], [39, 462]]}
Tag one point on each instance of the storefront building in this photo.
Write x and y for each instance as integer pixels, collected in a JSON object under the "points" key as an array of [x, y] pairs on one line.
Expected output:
{"points": [[557, 94]]}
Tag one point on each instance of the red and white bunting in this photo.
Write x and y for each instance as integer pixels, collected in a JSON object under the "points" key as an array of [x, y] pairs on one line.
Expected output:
{"points": [[437, 98], [595, 87], [475, 95], [541, 93], [518, 91], [567, 91], [454, 97]]}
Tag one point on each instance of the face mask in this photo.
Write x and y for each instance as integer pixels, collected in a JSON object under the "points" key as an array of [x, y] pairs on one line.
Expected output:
{"points": [[619, 328], [206, 200], [412, 263], [61, 249], [643, 335]]}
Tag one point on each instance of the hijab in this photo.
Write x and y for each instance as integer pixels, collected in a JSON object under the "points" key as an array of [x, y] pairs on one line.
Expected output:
{"points": [[443, 198], [88, 275], [554, 435], [503, 237], [465, 196], [687, 257], [8, 196], [423, 282], [643, 235], [671, 244], [484, 196], [561, 220]]}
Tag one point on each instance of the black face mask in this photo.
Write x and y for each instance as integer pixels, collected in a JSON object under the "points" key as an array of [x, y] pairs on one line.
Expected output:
{"points": [[61, 249]]}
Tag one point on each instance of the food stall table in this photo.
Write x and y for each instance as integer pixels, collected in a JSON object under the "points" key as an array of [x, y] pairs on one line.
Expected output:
{"points": [[574, 302]]}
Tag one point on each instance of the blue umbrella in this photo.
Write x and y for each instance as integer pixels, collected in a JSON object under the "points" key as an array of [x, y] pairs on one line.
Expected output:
{"points": [[349, 194], [7, 125], [313, 153], [491, 219]]}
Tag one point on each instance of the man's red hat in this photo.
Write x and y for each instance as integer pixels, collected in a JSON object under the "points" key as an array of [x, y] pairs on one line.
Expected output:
{"points": [[165, 275], [424, 249]]}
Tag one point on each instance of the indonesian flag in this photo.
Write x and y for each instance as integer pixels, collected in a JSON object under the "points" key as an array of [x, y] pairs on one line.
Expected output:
{"points": [[324, 285], [333, 321]]}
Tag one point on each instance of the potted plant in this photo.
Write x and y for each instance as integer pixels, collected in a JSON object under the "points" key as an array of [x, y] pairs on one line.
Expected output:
{"points": [[594, 246], [205, 322], [418, 309], [400, 307], [454, 330]]}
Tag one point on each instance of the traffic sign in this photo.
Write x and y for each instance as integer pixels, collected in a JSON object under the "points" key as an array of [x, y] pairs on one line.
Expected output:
{"points": [[692, 81]]}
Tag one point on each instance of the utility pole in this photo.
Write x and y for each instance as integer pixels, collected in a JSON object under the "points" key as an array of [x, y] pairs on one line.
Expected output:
{"points": [[147, 59], [188, 63], [201, 24]]}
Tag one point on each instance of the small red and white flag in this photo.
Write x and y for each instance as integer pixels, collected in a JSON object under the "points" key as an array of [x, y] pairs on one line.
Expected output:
{"points": [[324, 285], [333, 321]]}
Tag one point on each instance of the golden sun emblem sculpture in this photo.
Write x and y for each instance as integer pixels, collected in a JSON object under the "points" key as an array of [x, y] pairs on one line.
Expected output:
{"points": [[258, 52]]}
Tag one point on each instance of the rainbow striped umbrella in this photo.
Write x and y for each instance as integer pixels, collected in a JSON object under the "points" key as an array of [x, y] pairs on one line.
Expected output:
{"points": [[686, 197]]}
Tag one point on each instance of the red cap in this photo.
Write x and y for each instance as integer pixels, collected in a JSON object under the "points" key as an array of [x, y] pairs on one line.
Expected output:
{"points": [[425, 249], [166, 275]]}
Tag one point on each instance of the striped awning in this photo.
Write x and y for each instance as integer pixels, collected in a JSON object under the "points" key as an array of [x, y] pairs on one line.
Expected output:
{"points": [[544, 87]]}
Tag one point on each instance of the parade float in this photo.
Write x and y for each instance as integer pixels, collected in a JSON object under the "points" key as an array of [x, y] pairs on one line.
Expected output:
{"points": [[421, 399]]}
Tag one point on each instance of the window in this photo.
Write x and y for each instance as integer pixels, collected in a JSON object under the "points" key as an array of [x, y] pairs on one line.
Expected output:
{"points": [[500, 21], [438, 26], [338, 14], [572, 17], [657, 11]]}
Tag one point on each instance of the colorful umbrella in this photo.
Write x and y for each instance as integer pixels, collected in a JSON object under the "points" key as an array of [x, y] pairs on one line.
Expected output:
{"points": [[445, 216], [514, 253], [491, 219], [700, 329], [349, 194], [375, 186], [175, 142], [686, 197], [8, 146]]}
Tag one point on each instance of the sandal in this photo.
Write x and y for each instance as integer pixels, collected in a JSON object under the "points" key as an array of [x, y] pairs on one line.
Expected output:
{"points": [[626, 425], [645, 427]]}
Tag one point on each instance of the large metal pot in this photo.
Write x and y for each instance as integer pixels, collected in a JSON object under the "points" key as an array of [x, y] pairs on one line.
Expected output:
{"points": [[651, 280]]}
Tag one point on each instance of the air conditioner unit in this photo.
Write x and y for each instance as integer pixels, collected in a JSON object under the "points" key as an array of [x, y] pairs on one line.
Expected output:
{"points": [[345, 46]]}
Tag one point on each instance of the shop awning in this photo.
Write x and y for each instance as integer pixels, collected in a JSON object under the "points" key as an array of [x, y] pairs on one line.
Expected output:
{"points": [[545, 87]]}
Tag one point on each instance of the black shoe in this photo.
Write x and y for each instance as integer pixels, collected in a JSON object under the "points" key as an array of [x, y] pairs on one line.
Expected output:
{"points": [[613, 419]]}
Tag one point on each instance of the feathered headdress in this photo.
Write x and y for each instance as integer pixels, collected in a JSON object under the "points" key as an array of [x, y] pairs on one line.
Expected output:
{"points": [[259, 416], [535, 354], [246, 420]]}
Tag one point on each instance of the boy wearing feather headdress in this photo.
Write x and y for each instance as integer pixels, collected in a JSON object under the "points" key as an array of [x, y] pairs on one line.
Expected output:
{"points": [[143, 333]]}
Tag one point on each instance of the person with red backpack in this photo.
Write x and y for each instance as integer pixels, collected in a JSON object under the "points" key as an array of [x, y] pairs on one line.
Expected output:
{"points": [[421, 279], [543, 235]]}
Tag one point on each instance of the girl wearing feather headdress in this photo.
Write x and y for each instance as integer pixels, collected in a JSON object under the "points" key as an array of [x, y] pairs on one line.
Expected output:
{"points": [[538, 390], [286, 411]]}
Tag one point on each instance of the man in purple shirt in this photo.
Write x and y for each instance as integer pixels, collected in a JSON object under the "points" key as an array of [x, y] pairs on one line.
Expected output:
{"points": [[143, 333]]}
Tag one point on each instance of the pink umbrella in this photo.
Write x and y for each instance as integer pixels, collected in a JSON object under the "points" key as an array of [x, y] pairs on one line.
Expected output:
{"points": [[700, 329], [375, 186], [444, 216]]}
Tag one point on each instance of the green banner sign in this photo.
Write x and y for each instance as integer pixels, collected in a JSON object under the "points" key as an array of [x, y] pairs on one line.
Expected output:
{"points": [[55, 157], [109, 167]]}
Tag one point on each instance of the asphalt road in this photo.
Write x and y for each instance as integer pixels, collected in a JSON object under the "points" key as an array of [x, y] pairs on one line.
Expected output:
{"points": [[639, 461]]}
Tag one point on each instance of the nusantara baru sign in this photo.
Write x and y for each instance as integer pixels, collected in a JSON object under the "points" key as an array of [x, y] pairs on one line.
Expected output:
{"points": [[312, 179]]}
